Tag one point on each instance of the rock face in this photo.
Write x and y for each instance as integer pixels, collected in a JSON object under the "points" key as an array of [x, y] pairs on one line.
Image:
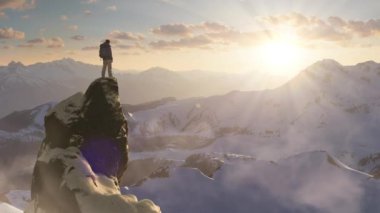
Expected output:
{"points": [[206, 164], [83, 156]]}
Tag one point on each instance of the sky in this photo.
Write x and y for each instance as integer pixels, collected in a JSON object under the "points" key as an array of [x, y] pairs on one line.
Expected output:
{"points": [[280, 37]]}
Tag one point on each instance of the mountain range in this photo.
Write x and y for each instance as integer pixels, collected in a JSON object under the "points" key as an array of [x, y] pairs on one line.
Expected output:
{"points": [[23, 87], [310, 145]]}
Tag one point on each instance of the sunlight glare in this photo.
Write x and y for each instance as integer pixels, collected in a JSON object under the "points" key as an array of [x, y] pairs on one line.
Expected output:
{"points": [[280, 56]]}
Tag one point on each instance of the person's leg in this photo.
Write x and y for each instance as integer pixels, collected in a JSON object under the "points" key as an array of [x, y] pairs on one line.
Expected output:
{"points": [[110, 68], [104, 68]]}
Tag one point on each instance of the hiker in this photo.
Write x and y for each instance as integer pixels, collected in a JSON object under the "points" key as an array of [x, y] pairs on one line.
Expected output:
{"points": [[105, 53]]}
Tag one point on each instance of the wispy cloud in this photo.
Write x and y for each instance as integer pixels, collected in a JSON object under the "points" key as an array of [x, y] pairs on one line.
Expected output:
{"points": [[135, 46], [37, 41], [54, 42], [89, 1], [333, 28], [10, 33], [126, 36], [204, 35], [64, 18], [172, 30], [3, 15], [90, 48], [73, 27], [77, 37], [87, 12], [17, 4], [25, 45], [191, 42], [189, 29], [6, 47], [111, 8]]}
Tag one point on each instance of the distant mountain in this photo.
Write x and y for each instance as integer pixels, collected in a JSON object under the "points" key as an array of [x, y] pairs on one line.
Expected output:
{"points": [[23, 87]]}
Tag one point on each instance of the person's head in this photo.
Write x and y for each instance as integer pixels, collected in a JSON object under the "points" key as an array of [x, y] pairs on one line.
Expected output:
{"points": [[108, 41]]}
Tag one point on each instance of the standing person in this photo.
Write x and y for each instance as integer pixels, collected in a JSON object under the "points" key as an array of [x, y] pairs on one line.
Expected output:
{"points": [[105, 53]]}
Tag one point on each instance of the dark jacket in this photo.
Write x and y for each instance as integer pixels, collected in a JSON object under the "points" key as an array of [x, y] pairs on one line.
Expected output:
{"points": [[105, 51]]}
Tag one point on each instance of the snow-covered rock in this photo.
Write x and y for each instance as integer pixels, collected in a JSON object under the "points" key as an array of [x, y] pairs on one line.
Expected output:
{"points": [[6, 208], [206, 164], [18, 198], [84, 155]]}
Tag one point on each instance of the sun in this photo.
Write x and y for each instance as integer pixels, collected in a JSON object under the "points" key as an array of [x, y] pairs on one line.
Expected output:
{"points": [[280, 56]]}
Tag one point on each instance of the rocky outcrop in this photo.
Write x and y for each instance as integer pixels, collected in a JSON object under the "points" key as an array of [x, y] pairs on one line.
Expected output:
{"points": [[205, 163], [83, 156], [141, 170]]}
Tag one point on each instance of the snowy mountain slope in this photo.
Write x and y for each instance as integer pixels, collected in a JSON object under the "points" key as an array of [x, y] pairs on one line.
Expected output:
{"points": [[302, 183], [22, 119], [27, 125], [327, 107], [18, 198]]}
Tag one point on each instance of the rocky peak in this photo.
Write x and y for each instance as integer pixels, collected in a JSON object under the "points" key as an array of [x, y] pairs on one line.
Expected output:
{"points": [[65, 61], [83, 156], [159, 72], [14, 66], [327, 63]]}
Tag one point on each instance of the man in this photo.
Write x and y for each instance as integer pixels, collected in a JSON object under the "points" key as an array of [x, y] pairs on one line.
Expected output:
{"points": [[105, 53]]}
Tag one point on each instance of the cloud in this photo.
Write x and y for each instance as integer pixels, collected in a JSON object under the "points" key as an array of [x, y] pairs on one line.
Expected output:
{"points": [[89, 1], [204, 35], [90, 48], [173, 30], [6, 47], [55, 42], [112, 8], [167, 1], [3, 15], [189, 29], [36, 41], [10, 33], [126, 36], [17, 4], [87, 12], [335, 29], [214, 27], [25, 17], [73, 27], [135, 46], [77, 37], [25, 45], [191, 42], [64, 18]]}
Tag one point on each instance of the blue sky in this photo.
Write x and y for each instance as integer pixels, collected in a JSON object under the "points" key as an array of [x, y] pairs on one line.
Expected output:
{"points": [[220, 35]]}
